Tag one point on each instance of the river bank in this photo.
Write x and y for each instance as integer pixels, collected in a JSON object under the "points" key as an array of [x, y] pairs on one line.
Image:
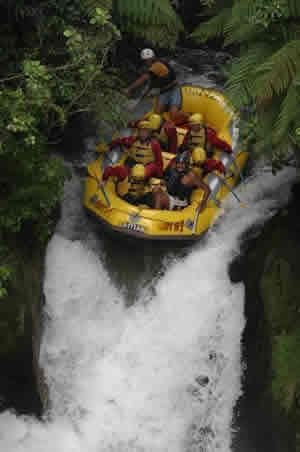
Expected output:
{"points": [[268, 412]]}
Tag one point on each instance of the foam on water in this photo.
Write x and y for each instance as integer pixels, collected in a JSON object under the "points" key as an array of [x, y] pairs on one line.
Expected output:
{"points": [[162, 375]]}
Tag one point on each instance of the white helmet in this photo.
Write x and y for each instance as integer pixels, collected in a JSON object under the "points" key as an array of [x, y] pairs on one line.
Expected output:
{"points": [[147, 53]]}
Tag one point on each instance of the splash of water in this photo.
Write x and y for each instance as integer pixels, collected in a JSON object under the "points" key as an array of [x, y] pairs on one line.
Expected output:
{"points": [[161, 375]]}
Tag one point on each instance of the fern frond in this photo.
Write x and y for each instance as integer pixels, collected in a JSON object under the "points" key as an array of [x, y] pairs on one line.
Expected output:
{"points": [[212, 28], [242, 33], [148, 12], [275, 75], [157, 34], [241, 78], [289, 111], [90, 5], [241, 13], [294, 7]]}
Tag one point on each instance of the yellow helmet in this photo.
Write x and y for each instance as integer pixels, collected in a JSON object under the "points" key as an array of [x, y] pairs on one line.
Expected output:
{"points": [[138, 172], [198, 155], [144, 124], [155, 121], [196, 118]]}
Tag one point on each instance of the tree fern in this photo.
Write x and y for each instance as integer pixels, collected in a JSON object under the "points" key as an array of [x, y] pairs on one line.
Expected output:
{"points": [[275, 75], [148, 12], [241, 12], [90, 5], [158, 35], [267, 72], [241, 77], [289, 111], [242, 33], [213, 28], [294, 7]]}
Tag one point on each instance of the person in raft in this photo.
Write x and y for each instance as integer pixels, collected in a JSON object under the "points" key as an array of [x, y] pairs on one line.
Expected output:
{"points": [[199, 135], [202, 165], [160, 75], [179, 182], [164, 131], [142, 148]]}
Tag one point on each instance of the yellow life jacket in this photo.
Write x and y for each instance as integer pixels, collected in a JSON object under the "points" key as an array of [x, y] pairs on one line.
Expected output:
{"points": [[141, 152], [181, 133], [131, 187], [136, 188], [123, 187], [163, 137], [197, 139]]}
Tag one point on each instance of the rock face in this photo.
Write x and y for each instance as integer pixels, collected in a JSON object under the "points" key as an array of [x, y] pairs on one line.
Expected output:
{"points": [[270, 270], [22, 384]]}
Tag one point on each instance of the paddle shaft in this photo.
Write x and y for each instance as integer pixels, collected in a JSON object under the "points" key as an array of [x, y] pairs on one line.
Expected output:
{"points": [[101, 186]]}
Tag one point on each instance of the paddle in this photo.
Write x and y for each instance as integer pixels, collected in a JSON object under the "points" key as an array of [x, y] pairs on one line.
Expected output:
{"points": [[133, 103], [197, 212], [242, 203], [101, 186]]}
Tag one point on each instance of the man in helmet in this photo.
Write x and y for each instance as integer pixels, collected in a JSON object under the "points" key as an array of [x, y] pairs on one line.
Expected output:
{"points": [[164, 131], [200, 135], [143, 148], [130, 183], [179, 181], [201, 164], [160, 75]]}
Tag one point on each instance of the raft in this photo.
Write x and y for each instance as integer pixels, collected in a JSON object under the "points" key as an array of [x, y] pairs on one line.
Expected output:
{"points": [[142, 222]]}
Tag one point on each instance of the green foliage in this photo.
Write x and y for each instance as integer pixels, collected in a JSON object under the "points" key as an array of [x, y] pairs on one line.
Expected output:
{"points": [[55, 64], [266, 73], [150, 19], [286, 361]]}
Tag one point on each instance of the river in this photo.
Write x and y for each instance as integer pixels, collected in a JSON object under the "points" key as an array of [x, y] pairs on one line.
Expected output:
{"points": [[142, 342]]}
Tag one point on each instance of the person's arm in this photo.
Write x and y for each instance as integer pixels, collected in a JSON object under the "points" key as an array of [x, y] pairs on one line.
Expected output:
{"points": [[119, 171], [171, 164], [125, 141], [138, 82], [155, 168], [215, 141], [198, 182], [210, 165], [186, 138], [171, 133]]}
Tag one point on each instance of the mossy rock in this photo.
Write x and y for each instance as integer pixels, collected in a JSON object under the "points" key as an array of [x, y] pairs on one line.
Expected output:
{"points": [[286, 369], [20, 322], [280, 292]]}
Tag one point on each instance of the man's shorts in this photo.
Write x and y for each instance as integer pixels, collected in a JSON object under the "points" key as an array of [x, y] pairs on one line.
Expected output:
{"points": [[170, 98]]}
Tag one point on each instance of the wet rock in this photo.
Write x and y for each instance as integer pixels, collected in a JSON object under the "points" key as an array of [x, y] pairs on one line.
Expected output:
{"points": [[22, 381], [270, 271], [202, 380]]}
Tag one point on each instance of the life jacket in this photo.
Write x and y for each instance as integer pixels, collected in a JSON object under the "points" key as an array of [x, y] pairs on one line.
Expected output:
{"points": [[136, 188], [196, 139], [181, 133], [175, 186], [165, 82], [141, 152], [163, 137]]}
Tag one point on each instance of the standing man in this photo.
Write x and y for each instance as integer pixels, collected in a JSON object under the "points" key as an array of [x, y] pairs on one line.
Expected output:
{"points": [[160, 75]]}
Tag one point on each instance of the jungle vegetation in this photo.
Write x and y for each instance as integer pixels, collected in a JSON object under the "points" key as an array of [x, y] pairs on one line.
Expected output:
{"points": [[57, 60]]}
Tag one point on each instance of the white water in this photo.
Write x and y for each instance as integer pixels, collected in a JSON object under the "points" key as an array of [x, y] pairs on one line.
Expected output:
{"points": [[124, 379]]}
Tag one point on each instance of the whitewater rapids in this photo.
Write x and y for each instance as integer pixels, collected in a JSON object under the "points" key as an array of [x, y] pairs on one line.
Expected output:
{"points": [[162, 375]]}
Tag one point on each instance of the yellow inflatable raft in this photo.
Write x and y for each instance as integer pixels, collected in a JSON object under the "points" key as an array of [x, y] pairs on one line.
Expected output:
{"points": [[143, 222]]}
